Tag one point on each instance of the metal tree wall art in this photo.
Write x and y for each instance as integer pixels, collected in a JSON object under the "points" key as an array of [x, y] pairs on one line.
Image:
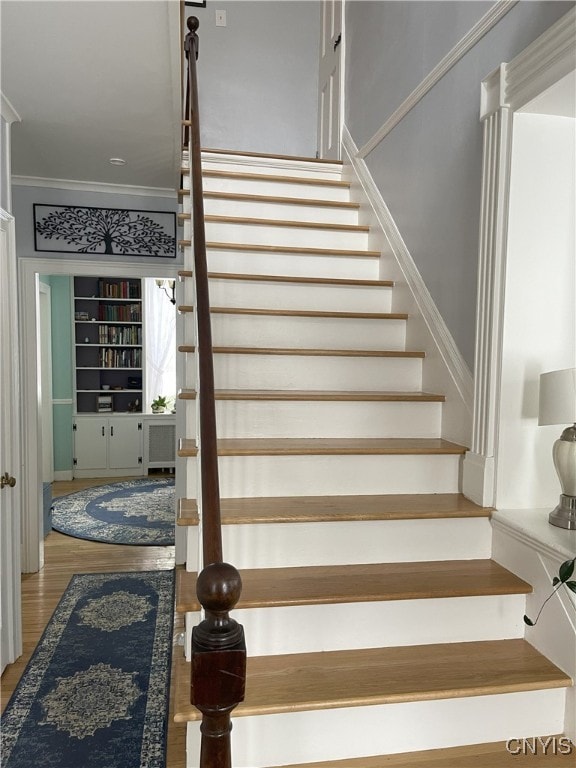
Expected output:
{"points": [[74, 229]]}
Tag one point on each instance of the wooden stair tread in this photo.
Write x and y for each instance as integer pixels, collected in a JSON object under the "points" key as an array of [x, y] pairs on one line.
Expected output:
{"points": [[320, 446], [258, 248], [365, 677], [306, 352], [183, 273], [317, 395], [184, 308], [311, 181], [306, 201], [492, 755], [326, 509], [319, 160], [329, 584], [213, 219]]}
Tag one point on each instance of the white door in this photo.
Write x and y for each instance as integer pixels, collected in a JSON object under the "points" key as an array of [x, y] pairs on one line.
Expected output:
{"points": [[125, 445], [10, 456], [90, 443], [329, 83]]}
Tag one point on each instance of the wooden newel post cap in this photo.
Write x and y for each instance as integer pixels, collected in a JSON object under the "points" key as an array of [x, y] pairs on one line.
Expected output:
{"points": [[219, 587]]}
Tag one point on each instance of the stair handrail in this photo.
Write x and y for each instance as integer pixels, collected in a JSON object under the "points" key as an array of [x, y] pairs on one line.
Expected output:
{"points": [[218, 648]]}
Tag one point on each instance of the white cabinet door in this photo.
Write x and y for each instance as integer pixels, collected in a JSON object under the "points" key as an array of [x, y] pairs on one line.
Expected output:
{"points": [[90, 443], [125, 443]]}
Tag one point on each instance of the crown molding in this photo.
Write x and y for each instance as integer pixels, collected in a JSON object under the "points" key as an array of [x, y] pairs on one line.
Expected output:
{"points": [[92, 186]]}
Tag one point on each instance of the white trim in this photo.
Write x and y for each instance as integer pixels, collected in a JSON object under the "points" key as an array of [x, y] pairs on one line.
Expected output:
{"points": [[28, 270], [531, 527], [549, 58], [92, 186], [63, 401], [452, 358], [63, 474], [474, 35], [7, 110], [479, 476]]}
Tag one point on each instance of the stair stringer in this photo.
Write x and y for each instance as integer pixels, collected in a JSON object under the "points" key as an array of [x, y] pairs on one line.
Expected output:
{"points": [[445, 369]]}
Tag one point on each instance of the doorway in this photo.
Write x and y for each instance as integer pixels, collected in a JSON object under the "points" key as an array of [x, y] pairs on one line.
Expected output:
{"points": [[30, 269]]}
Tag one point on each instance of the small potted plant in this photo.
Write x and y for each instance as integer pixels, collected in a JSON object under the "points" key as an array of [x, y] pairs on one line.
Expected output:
{"points": [[564, 579], [160, 404]]}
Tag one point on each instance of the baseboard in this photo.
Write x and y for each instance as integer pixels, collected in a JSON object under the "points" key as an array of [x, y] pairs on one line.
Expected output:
{"points": [[444, 368], [63, 474], [478, 479]]}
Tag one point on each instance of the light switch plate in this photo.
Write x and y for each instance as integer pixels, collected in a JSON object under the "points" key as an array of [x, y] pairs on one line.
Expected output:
{"points": [[220, 18]]}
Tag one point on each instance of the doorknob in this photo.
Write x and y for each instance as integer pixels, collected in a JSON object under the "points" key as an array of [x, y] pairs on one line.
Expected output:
{"points": [[7, 479]]}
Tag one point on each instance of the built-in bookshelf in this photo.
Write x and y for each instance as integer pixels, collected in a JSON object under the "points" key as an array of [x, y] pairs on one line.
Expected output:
{"points": [[108, 344]]}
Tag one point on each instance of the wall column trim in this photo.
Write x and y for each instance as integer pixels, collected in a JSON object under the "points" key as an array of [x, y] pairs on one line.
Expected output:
{"points": [[507, 89], [479, 481]]}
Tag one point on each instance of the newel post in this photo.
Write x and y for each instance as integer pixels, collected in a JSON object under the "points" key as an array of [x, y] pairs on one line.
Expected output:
{"points": [[218, 662]]}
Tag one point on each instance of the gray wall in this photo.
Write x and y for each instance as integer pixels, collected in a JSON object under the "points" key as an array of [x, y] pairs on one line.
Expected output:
{"points": [[23, 198], [428, 168], [258, 76]]}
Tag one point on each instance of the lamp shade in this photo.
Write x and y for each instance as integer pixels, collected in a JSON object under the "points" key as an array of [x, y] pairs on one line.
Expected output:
{"points": [[558, 397]]}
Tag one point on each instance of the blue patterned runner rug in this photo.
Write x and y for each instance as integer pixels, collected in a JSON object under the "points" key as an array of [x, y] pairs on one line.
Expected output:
{"points": [[131, 512], [95, 692]]}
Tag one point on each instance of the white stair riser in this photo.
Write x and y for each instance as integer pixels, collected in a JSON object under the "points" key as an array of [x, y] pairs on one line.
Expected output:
{"points": [[303, 169], [318, 628], [273, 187], [271, 295], [273, 418], [232, 371], [299, 237], [300, 264], [333, 734], [321, 475], [276, 210], [307, 332], [286, 545], [334, 475]]}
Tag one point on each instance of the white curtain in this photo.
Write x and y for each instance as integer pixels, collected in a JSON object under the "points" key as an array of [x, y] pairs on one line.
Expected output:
{"points": [[160, 343]]}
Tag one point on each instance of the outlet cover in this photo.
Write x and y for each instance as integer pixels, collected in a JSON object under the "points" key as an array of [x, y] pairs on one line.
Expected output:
{"points": [[220, 18]]}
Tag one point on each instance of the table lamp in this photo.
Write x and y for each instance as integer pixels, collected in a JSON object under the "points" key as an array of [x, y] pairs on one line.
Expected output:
{"points": [[558, 406]]}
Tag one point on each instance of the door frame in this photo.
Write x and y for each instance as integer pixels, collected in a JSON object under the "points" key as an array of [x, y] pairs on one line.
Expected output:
{"points": [[342, 53], [10, 539], [28, 271]]}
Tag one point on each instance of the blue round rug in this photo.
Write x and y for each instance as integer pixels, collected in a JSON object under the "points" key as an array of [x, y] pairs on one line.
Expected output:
{"points": [[131, 512]]}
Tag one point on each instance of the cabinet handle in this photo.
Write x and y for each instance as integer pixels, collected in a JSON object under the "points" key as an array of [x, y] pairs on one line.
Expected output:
{"points": [[103, 432], [111, 431]]}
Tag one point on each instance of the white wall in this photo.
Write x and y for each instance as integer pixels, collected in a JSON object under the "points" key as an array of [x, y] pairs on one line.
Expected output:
{"points": [[540, 315], [258, 76], [428, 168]]}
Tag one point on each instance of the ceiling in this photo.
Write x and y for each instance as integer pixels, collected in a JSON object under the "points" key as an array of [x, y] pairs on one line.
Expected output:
{"points": [[93, 80]]}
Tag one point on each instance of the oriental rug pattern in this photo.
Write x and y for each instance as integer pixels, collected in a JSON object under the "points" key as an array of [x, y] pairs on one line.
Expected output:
{"points": [[95, 692]]}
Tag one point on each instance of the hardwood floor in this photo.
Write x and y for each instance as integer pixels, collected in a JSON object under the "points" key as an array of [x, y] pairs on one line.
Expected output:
{"points": [[65, 556]]}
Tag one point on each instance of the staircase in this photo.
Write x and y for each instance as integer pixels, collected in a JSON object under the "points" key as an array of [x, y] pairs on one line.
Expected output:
{"points": [[379, 631]]}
